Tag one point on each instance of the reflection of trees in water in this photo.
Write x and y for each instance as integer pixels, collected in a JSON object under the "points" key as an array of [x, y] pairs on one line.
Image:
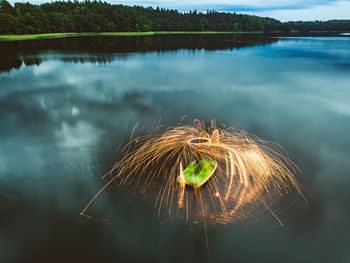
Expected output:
{"points": [[92, 60], [100, 49], [32, 61], [6, 64]]}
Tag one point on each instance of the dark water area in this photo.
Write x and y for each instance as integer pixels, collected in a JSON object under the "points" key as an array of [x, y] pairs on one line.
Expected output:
{"points": [[102, 49], [66, 105]]}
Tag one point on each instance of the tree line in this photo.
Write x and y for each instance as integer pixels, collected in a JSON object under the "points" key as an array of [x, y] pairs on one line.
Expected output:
{"points": [[330, 25], [97, 16]]}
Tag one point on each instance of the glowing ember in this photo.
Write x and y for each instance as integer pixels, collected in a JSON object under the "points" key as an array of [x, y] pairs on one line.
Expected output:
{"points": [[241, 171]]}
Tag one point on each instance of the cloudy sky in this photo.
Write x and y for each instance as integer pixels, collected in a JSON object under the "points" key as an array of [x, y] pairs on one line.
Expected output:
{"points": [[284, 10]]}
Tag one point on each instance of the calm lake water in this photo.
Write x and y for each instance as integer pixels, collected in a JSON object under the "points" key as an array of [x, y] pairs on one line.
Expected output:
{"points": [[66, 104]]}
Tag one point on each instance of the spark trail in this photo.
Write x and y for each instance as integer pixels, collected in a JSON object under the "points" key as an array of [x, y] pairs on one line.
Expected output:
{"points": [[204, 172]]}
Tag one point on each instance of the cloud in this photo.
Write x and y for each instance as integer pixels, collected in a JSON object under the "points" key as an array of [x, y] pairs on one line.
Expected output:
{"points": [[334, 10], [282, 10], [221, 5]]}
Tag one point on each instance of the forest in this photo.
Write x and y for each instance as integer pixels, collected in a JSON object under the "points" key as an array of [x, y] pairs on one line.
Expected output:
{"points": [[97, 16]]}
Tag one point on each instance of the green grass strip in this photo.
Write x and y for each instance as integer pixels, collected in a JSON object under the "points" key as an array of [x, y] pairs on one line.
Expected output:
{"points": [[63, 35]]}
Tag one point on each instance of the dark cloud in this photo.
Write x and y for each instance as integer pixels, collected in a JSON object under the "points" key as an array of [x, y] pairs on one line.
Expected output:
{"points": [[230, 6]]}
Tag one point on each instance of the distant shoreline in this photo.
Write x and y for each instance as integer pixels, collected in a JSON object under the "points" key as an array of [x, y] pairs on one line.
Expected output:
{"points": [[150, 33]]}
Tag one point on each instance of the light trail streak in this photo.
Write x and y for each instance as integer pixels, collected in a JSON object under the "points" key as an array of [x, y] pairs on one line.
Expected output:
{"points": [[249, 172]]}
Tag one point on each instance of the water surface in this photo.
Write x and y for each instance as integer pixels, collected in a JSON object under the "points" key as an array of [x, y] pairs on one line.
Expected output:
{"points": [[66, 104]]}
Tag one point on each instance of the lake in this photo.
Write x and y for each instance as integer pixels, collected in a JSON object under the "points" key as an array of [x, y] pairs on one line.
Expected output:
{"points": [[67, 104]]}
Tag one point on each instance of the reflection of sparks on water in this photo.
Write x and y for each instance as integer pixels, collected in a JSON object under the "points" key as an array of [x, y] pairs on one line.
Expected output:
{"points": [[249, 172]]}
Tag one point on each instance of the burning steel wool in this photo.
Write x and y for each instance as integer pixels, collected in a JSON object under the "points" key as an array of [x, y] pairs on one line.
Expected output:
{"points": [[205, 172]]}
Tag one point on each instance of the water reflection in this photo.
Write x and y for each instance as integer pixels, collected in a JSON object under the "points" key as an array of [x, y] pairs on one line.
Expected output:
{"points": [[61, 122], [103, 49]]}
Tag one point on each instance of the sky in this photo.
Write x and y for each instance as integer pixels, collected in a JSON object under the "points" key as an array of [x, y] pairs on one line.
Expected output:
{"points": [[287, 10]]}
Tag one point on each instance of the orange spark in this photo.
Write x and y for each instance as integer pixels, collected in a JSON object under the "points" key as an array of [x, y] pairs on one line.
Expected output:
{"points": [[250, 172]]}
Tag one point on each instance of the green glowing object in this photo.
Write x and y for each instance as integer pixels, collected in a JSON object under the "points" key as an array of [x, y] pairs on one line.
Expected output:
{"points": [[196, 176]]}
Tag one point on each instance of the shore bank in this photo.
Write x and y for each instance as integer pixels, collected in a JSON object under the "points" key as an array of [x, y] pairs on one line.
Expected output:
{"points": [[63, 35]]}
